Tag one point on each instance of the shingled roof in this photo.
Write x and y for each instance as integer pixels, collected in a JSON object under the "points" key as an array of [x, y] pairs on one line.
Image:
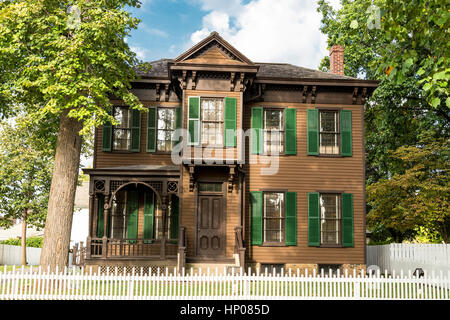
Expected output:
{"points": [[160, 69]]}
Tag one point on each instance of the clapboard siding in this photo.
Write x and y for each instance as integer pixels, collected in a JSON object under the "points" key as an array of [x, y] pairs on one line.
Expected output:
{"points": [[302, 174], [117, 158]]}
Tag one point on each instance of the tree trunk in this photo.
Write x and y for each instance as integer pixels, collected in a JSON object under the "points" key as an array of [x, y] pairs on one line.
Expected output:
{"points": [[23, 241], [58, 225]]}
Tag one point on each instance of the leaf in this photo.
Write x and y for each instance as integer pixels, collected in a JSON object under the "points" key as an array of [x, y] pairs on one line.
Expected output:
{"points": [[435, 102]]}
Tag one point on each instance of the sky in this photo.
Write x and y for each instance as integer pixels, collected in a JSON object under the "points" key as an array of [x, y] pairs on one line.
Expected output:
{"points": [[285, 31]]}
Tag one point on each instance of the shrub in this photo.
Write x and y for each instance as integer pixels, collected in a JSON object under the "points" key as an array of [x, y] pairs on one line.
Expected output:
{"points": [[34, 242]]}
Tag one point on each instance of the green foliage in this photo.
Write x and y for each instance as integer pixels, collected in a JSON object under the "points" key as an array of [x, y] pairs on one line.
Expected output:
{"points": [[417, 197], [53, 59], [34, 242], [407, 51], [26, 164]]}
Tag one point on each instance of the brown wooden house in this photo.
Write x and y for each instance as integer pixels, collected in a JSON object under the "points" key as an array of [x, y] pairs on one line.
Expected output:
{"points": [[269, 169]]}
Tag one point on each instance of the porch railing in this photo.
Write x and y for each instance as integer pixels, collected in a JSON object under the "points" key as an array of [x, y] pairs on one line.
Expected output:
{"points": [[239, 248], [127, 248]]}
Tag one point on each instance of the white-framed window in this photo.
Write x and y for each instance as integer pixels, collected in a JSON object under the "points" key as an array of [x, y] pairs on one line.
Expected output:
{"points": [[273, 131], [329, 134], [330, 219], [165, 129], [212, 121], [273, 217], [122, 132]]}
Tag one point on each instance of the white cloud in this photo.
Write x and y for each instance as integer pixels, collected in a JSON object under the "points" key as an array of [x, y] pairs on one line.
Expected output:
{"points": [[141, 53], [153, 31], [267, 30]]}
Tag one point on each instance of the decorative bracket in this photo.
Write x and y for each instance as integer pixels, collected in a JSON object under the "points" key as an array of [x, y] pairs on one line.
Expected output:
{"points": [[313, 94], [232, 75], [158, 92], [263, 88], [194, 80], [241, 82], [364, 95], [231, 179], [304, 94], [191, 178], [166, 92], [183, 80], [355, 94]]}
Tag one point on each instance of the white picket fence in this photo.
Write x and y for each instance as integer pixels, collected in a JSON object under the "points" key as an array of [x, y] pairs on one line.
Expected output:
{"points": [[78, 284], [409, 256]]}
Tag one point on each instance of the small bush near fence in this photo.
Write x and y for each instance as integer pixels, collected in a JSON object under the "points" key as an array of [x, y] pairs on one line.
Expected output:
{"points": [[77, 284], [34, 242]]}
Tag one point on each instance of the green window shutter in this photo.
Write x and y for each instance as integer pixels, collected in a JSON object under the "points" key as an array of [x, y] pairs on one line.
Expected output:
{"points": [[346, 133], [313, 219], [175, 210], [194, 121], [101, 216], [312, 136], [151, 129], [135, 130], [256, 125], [178, 122], [291, 218], [290, 132], [107, 136], [149, 210], [347, 220], [256, 198], [230, 122], [132, 214]]}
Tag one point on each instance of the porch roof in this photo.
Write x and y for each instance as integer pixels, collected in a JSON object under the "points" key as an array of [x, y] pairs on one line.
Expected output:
{"points": [[135, 170]]}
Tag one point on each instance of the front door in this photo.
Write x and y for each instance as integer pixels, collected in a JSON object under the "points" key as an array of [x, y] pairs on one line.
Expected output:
{"points": [[210, 226]]}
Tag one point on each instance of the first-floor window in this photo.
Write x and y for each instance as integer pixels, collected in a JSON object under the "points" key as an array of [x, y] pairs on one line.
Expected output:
{"points": [[273, 219], [330, 219]]}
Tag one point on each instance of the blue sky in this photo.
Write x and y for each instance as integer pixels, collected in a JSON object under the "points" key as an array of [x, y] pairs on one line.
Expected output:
{"points": [[263, 30]]}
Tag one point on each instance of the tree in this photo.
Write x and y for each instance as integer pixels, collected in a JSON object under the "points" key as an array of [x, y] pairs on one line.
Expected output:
{"points": [[419, 195], [26, 163], [392, 41], [66, 58]]}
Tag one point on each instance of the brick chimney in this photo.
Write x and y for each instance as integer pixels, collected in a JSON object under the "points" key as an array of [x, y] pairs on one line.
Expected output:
{"points": [[337, 59]]}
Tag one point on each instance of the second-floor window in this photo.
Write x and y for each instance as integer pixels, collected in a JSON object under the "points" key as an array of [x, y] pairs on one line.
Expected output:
{"points": [[273, 131], [329, 134], [122, 131], [212, 121], [166, 128]]}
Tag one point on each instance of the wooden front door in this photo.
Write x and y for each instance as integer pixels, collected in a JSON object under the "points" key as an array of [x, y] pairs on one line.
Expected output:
{"points": [[210, 226]]}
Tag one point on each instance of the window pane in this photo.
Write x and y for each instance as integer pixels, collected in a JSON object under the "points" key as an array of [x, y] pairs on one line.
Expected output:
{"points": [[273, 119], [123, 116], [122, 139], [212, 109], [328, 121]]}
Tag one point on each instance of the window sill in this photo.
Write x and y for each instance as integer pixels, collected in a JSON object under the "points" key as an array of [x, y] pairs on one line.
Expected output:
{"points": [[273, 244], [331, 246]]}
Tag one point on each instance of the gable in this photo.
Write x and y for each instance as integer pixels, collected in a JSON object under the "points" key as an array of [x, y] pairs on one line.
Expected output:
{"points": [[214, 50], [214, 54]]}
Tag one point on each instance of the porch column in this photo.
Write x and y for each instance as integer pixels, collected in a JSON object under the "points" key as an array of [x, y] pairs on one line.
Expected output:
{"points": [[105, 226], [164, 199], [90, 232]]}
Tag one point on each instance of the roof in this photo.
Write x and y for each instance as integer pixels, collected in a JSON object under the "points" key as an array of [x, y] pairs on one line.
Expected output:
{"points": [[160, 69]]}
